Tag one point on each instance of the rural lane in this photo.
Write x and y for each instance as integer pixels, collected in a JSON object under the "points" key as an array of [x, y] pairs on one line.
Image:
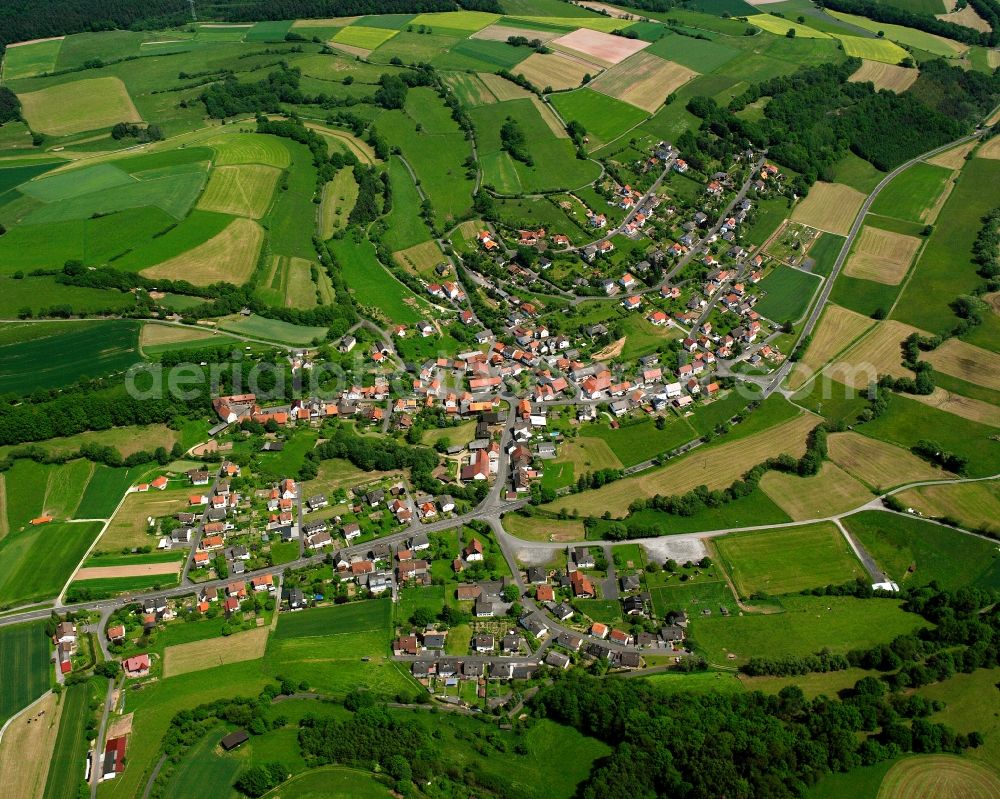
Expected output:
{"points": [[824, 293]]}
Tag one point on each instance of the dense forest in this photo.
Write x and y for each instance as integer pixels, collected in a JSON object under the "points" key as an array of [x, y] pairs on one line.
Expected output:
{"points": [[736, 745], [816, 115], [21, 20]]}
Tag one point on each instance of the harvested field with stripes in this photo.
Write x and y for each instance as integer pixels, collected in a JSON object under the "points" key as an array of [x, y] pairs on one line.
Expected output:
{"points": [[882, 256], [972, 409], [831, 491], [967, 362], [837, 328], [885, 76], [955, 157], [229, 256], [974, 505], [877, 463], [829, 206], [501, 33], [558, 70], [939, 777], [878, 353], [244, 190], [644, 80], [212, 652], [716, 467]]}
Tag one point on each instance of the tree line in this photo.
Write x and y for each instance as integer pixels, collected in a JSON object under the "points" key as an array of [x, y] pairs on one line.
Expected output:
{"points": [[895, 15]]}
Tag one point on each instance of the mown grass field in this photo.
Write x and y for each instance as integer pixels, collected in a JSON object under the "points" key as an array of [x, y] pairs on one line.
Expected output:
{"points": [[339, 197], [882, 256], [808, 625], [405, 225], [325, 647], [877, 463], [605, 118], [916, 552], [27, 60], [69, 352], [555, 162], [24, 651], [243, 190], [831, 207], [79, 105], [789, 294], [830, 492], [950, 776], [105, 490], [965, 710], [785, 560], [912, 193], [273, 329], [837, 328], [213, 652], [205, 770], [973, 505], [692, 596]]}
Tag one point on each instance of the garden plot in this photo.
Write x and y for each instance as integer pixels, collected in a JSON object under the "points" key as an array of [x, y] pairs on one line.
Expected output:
{"points": [[882, 256], [644, 80]]}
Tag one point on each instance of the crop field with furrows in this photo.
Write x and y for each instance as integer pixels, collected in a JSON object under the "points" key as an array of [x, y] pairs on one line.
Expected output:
{"points": [[59, 355], [644, 80], [24, 651], [78, 106], [882, 256], [555, 70], [243, 190]]}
